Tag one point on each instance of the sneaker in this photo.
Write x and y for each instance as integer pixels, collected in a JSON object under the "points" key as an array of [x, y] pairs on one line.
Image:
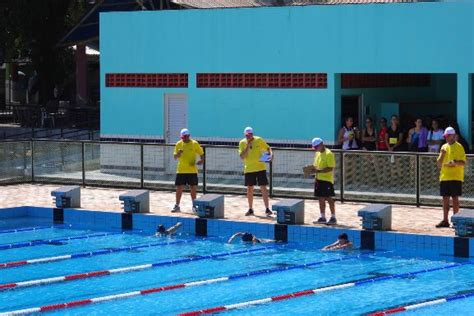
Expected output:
{"points": [[442, 224], [332, 221], [268, 212], [249, 212], [320, 220], [176, 209]]}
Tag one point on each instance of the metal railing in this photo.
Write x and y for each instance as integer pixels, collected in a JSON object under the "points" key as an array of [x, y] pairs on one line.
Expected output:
{"points": [[386, 177]]}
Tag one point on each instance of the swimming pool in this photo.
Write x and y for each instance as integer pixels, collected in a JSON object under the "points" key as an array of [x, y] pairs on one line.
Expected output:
{"points": [[45, 268]]}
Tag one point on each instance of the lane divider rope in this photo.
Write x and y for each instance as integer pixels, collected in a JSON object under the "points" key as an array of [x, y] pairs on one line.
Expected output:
{"points": [[93, 274], [24, 229], [85, 254], [315, 291], [51, 241], [426, 303]]}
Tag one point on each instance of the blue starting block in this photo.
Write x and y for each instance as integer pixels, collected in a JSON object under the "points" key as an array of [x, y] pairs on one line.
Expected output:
{"points": [[136, 201], [67, 196], [209, 206], [376, 217], [463, 223], [289, 211]]}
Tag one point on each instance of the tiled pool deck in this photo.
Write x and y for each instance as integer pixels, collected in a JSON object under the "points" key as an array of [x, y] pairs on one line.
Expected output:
{"points": [[406, 219]]}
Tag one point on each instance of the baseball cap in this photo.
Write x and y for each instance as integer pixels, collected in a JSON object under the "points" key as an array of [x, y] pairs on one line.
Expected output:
{"points": [[449, 131], [248, 130], [316, 141], [185, 132]]}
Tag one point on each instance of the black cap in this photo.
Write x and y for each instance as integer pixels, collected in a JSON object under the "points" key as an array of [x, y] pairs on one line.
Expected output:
{"points": [[247, 237], [161, 229]]}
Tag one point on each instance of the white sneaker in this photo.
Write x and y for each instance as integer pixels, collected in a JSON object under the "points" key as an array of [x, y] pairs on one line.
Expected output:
{"points": [[176, 209]]}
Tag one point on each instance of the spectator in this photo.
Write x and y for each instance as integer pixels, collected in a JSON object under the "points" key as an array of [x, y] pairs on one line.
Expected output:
{"points": [[451, 161], [394, 136], [348, 135], [435, 137], [324, 164], [417, 137], [342, 242], [185, 151], [383, 130], [369, 135], [252, 150]]}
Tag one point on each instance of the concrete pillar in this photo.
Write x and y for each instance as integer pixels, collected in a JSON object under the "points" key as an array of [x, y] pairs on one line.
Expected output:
{"points": [[464, 105], [334, 84], [81, 74]]}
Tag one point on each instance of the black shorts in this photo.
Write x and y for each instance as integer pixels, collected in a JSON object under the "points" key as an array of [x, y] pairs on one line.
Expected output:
{"points": [[253, 178], [186, 178], [323, 189], [450, 188]]}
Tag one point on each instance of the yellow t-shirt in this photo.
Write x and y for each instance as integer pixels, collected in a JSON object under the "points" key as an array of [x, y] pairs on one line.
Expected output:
{"points": [[453, 152], [252, 161], [187, 160], [324, 160]]}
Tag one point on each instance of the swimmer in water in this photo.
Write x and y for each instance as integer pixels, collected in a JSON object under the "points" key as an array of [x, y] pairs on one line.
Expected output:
{"points": [[342, 242], [162, 231]]}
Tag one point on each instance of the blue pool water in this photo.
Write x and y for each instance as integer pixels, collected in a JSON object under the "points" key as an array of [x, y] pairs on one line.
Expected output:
{"points": [[350, 301]]}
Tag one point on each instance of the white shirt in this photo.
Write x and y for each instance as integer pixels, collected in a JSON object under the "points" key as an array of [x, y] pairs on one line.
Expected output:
{"points": [[435, 135]]}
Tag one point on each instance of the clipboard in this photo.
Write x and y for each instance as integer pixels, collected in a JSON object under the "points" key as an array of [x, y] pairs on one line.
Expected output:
{"points": [[265, 157]]}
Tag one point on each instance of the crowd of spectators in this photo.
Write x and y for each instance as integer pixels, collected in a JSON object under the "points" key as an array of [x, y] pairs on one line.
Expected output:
{"points": [[419, 134]]}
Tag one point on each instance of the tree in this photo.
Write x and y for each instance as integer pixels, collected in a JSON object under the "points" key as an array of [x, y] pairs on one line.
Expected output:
{"points": [[30, 30]]}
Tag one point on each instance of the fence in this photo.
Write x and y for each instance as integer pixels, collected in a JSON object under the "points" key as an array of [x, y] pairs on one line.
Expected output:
{"points": [[402, 178]]}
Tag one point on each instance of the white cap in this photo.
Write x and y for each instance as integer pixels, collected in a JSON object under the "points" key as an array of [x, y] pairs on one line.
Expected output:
{"points": [[449, 131], [248, 130], [185, 132], [316, 141]]}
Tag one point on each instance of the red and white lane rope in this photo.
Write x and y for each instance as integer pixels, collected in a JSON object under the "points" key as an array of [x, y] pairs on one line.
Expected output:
{"points": [[314, 291], [58, 306], [423, 304], [93, 274]]}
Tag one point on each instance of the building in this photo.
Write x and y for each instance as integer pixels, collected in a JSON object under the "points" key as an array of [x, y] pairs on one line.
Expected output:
{"points": [[290, 72]]}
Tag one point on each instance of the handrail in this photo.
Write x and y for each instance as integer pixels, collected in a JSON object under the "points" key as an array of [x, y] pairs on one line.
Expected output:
{"points": [[214, 180]]}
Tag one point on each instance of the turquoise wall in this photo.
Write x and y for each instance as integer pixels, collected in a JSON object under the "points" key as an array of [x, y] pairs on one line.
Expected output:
{"points": [[400, 38]]}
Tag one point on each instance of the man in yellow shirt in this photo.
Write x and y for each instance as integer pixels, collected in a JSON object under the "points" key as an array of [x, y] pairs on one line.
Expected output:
{"points": [[451, 161], [324, 164], [185, 151], [254, 151]]}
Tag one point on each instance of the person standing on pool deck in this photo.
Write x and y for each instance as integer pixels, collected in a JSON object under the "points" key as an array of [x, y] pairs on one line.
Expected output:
{"points": [[451, 161], [251, 149], [185, 151], [324, 164]]}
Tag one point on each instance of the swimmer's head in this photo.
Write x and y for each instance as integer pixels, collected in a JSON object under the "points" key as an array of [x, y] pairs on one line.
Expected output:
{"points": [[247, 237], [161, 229], [343, 237]]}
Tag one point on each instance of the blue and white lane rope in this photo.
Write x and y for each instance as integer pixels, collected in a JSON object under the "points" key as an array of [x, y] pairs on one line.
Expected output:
{"points": [[85, 254], [181, 285], [52, 241], [314, 291], [423, 304], [92, 274], [24, 229]]}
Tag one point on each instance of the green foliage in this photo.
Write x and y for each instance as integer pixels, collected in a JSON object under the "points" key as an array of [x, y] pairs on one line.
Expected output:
{"points": [[31, 30]]}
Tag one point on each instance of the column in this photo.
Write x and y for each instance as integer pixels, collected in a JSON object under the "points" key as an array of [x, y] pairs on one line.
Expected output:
{"points": [[81, 74], [464, 105]]}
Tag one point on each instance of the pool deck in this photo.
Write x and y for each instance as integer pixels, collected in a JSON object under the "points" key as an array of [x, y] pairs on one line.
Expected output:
{"points": [[406, 219]]}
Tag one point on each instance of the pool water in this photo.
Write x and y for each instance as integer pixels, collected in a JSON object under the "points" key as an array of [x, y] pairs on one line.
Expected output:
{"points": [[231, 260]]}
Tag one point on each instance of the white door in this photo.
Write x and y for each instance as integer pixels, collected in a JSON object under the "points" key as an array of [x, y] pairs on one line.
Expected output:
{"points": [[176, 116]]}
